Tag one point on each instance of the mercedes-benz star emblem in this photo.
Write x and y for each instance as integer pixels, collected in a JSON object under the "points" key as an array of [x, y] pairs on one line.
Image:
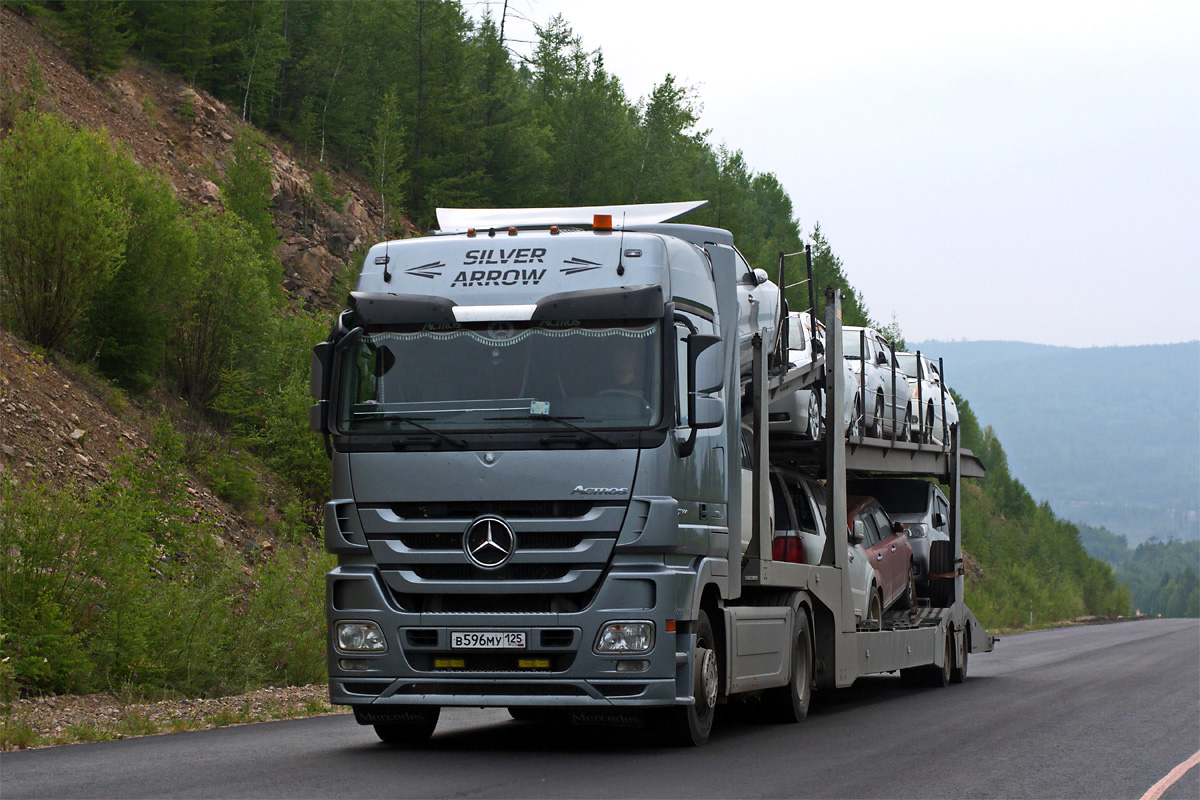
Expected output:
{"points": [[489, 542]]}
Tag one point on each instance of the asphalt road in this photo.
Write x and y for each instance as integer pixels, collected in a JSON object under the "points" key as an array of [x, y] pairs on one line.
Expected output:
{"points": [[1100, 711]]}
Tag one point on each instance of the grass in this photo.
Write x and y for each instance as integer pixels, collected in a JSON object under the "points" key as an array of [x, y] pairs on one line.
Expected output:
{"points": [[17, 735]]}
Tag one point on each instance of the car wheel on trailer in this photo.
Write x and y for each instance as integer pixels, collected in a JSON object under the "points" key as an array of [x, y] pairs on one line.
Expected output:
{"points": [[789, 703], [814, 417], [959, 673], [875, 610], [876, 428], [909, 598], [410, 733], [856, 421], [906, 433], [941, 562], [689, 726]]}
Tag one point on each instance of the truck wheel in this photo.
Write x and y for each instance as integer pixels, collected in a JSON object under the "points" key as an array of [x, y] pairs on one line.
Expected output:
{"points": [[410, 733], [689, 726], [788, 704], [959, 673]]}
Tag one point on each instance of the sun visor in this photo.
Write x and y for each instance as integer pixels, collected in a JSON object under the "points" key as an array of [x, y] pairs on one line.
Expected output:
{"points": [[620, 302], [375, 308]]}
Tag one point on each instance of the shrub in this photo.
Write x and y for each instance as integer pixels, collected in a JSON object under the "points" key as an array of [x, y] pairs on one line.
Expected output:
{"points": [[63, 226]]}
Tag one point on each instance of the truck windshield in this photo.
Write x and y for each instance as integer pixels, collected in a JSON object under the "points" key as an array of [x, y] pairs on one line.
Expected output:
{"points": [[503, 376]]}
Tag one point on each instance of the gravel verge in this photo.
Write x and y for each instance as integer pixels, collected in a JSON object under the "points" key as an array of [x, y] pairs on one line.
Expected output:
{"points": [[57, 720]]}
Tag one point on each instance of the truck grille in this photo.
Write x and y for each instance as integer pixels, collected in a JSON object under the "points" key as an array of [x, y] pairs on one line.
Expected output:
{"points": [[453, 540], [514, 509]]}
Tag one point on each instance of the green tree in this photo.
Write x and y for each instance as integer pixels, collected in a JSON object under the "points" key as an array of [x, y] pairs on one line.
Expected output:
{"points": [[229, 302], [63, 225], [95, 33], [246, 186]]}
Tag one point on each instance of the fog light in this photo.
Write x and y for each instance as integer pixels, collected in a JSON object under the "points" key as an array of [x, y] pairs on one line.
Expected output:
{"points": [[625, 637], [360, 637], [354, 664], [633, 666]]}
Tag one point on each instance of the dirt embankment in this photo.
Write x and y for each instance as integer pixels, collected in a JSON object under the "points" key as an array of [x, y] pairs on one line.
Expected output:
{"points": [[186, 134]]}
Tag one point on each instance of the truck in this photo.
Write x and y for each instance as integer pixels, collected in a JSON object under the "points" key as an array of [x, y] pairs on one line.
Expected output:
{"points": [[551, 484]]}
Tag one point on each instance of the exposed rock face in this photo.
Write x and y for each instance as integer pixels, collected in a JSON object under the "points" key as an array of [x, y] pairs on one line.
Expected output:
{"points": [[187, 134]]}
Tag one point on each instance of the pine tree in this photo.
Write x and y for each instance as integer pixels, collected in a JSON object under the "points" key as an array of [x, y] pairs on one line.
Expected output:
{"points": [[95, 33]]}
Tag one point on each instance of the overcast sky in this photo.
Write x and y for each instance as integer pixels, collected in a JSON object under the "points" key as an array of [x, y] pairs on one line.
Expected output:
{"points": [[1024, 171]]}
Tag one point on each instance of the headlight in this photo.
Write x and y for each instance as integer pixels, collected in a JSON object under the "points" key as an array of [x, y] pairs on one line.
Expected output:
{"points": [[625, 637], [916, 531], [360, 637]]}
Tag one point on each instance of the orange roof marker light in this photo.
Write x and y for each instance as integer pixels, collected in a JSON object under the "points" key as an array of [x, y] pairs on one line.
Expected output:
{"points": [[602, 222], [512, 231]]}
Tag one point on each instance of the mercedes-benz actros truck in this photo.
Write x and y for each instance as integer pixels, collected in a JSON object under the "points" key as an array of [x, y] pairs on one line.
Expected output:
{"points": [[539, 421]]}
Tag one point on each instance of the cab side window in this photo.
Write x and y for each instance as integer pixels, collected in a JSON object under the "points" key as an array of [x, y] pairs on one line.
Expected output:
{"points": [[681, 373]]}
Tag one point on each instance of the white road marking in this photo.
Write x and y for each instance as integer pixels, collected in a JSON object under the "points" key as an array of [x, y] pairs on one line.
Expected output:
{"points": [[1156, 791]]}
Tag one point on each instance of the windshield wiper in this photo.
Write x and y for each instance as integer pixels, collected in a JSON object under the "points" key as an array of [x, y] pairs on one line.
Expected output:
{"points": [[460, 443], [561, 420]]}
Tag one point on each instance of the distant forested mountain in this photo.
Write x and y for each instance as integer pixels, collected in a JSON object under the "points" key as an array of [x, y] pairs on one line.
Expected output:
{"points": [[1109, 436]]}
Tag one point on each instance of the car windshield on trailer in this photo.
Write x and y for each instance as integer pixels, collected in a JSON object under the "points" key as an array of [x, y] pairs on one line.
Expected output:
{"points": [[907, 362], [502, 376]]}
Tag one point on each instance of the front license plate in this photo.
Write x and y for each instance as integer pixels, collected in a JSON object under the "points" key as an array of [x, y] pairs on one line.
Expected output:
{"points": [[487, 640]]}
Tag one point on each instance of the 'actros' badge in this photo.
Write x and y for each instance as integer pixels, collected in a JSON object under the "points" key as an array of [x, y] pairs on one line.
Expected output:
{"points": [[489, 542]]}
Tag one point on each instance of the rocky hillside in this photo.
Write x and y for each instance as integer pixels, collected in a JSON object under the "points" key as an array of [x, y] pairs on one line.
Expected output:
{"points": [[186, 134]]}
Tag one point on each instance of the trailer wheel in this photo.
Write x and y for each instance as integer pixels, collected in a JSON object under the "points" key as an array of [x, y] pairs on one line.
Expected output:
{"points": [[789, 704], [412, 733], [689, 726], [959, 673], [940, 676]]}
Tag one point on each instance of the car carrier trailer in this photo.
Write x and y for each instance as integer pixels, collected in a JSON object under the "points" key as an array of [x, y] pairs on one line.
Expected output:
{"points": [[506, 538]]}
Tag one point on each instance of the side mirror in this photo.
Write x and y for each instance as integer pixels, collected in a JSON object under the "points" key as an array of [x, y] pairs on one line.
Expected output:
{"points": [[897, 527], [761, 276], [856, 537], [939, 519], [709, 413], [705, 366], [322, 359], [318, 387], [880, 358]]}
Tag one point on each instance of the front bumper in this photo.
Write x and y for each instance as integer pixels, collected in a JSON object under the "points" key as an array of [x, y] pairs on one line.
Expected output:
{"points": [[421, 668]]}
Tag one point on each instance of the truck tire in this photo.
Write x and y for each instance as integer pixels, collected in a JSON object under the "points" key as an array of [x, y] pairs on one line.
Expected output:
{"points": [[941, 562], [689, 726], [959, 673], [410, 733], [789, 704]]}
